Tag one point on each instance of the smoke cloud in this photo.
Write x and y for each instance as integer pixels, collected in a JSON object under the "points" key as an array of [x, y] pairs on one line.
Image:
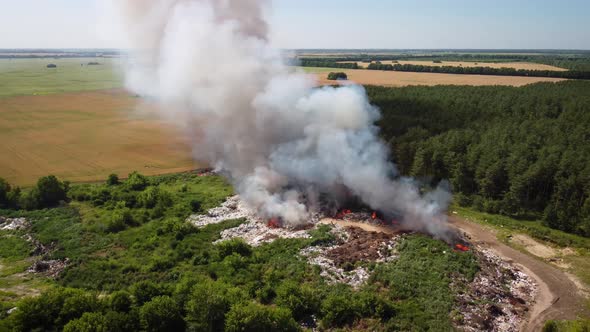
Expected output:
{"points": [[282, 142]]}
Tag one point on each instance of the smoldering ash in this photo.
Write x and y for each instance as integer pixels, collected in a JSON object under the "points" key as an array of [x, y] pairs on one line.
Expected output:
{"points": [[282, 142]]}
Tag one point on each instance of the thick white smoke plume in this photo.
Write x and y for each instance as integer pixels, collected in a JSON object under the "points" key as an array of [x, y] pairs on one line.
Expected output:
{"points": [[282, 142]]}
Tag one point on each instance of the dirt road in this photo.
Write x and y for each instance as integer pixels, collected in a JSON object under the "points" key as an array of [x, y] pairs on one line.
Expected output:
{"points": [[559, 297]]}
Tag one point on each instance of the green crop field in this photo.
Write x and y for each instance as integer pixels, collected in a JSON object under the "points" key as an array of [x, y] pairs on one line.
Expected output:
{"points": [[20, 77]]}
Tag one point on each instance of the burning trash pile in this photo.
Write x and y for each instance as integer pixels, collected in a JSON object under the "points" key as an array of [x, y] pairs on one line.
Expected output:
{"points": [[497, 299], [257, 233], [339, 262], [330, 271], [342, 262], [254, 231], [232, 208], [363, 246], [285, 144]]}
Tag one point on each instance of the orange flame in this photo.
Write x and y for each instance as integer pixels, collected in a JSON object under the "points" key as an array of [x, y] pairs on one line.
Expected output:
{"points": [[273, 223], [343, 213], [374, 215], [460, 247]]}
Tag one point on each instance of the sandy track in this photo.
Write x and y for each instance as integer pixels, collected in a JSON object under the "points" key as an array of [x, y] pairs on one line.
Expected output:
{"points": [[558, 298], [361, 225]]}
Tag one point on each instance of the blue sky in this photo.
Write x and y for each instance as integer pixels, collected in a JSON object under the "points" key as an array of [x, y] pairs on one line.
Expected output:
{"points": [[556, 24]]}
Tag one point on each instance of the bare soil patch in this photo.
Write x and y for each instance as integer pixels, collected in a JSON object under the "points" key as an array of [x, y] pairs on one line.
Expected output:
{"points": [[536, 248], [362, 225]]}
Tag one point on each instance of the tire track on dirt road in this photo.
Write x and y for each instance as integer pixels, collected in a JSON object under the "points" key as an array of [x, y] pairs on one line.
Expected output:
{"points": [[559, 297]]}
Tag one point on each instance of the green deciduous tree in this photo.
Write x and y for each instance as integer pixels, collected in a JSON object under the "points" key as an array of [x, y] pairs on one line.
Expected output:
{"points": [[137, 181], [161, 314], [254, 317]]}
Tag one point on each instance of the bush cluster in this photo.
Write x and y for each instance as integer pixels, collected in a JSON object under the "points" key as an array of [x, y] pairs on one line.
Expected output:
{"points": [[47, 193], [337, 76]]}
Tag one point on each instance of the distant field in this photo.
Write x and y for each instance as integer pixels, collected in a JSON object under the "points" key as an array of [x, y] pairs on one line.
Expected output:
{"points": [[70, 122], [394, 78], [84, 137], [32, 77], [496, 65]]}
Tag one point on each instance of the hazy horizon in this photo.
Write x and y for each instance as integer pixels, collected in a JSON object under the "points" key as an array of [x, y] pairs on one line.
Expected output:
{"points": [[331, 24], [512, 50]]}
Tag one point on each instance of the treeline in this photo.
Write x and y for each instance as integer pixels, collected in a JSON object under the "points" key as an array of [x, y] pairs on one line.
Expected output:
{"points": [[327, 64], [522, 152], [576, 62], [480, 71]]}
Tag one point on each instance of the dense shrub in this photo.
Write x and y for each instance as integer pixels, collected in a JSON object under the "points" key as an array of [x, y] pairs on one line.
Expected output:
{"points": [[161, 314], [48, 192], [209, 302], [337, 76], [89, 322], [254, 317], [113, 180], [53, 309], [237, 246], [4, 191], [9, 196], [137, 181], [76, 304], [149, 197], [195, 206], [339, 308], [144, 291], [51, 191], [121, 301], [120, 219], [300, 299]]}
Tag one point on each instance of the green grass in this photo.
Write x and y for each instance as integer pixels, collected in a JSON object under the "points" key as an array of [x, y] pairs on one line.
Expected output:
{"points": [[419, 280], [582, 325], [13, 246], [32, 77]]}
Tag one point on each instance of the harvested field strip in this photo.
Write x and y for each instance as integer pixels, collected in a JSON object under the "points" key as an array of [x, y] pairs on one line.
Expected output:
{"points": [[397, 79], [84, 137], [497, 65]]}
